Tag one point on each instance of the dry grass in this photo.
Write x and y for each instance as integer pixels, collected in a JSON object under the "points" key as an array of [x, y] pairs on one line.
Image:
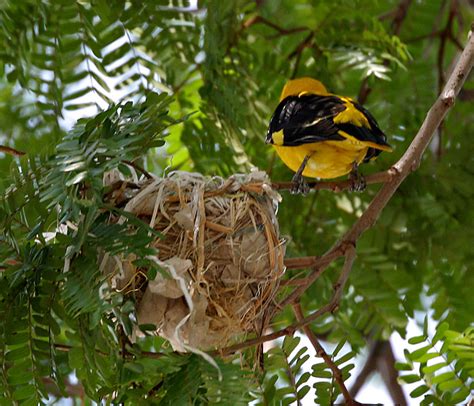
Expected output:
{"points": [[220, 247]]}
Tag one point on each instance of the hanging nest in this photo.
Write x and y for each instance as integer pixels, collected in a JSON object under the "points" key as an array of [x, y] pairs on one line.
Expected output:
{"points": [[220, 250]]}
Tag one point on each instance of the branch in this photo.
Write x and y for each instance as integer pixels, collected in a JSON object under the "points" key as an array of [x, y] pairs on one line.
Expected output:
{"points": [[408, 163], [444, 35], [281, 31], [320, 266], [381, 358], [331, 306], [149, 354], [386, 366], [400, 15], [72, 390], [138, 168], [370, 366], [323, 354], [340, 185], [11, 151]]}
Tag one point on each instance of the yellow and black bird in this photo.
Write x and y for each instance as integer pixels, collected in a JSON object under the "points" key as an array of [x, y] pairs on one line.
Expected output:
{"points": [[322, 135]]}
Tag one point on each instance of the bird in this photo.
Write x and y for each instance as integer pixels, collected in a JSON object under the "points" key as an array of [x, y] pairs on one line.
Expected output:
{"points": [[321, 135]]}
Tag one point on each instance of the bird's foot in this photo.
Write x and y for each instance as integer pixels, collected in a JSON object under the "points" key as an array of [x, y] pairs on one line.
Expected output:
{"points": [[358, 183], [299, 185]]}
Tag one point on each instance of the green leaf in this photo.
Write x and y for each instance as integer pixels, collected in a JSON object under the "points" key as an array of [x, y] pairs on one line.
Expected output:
{"points": [[24, 392], [420, 390], [443, 377], [18, 353], [303, 392], [322, 374], [417, 340], [338, 348], [450, 385], [411, 378], [401, 366], [134, 366], [433, 368]]}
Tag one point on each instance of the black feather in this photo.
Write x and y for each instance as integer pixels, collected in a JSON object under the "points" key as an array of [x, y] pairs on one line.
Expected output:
{"points": [[309, 118]]}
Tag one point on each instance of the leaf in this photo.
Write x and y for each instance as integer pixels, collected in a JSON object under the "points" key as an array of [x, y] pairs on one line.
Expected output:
{"points": [[134, 367], [24, 392], [443, 377], [420, 390], [433, 368], [417, 340], [411, 378], [450, 385], [77, 179], [401, 366], [303, 392]]}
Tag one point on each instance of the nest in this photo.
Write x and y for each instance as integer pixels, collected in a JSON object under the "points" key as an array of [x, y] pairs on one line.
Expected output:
{"points": [[220, 251]]}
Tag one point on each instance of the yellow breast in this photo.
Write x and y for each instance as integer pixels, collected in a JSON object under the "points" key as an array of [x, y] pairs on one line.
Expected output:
{"points": [[329, 159]]}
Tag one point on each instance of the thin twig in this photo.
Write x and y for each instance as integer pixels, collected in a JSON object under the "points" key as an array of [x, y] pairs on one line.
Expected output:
{"points": [[339, 185], [320, 265], [134, 165], [11, 151], [331, 306], [400, 15], [149, 354], [320, 352], [302, 45], [281, 31]]}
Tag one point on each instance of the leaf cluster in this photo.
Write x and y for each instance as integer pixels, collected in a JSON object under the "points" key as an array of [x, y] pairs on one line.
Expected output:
{"points": [[443, 366]]}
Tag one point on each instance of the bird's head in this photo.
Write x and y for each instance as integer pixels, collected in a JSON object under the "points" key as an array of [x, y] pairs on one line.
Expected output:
{"points": [[301, 86]]}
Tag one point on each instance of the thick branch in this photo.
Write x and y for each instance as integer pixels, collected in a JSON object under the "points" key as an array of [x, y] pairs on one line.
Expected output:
{"points": [[370, 367], [407, 163], [337, 374], [386, 366], [411, 158]]}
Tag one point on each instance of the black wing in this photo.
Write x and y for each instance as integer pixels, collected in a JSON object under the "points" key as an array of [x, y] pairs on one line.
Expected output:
{"points": [[306, 119], [309, 118]]}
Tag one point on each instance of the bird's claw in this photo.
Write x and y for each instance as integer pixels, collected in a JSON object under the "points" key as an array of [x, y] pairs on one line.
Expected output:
{"points": [[299, 185], [358, 183]]}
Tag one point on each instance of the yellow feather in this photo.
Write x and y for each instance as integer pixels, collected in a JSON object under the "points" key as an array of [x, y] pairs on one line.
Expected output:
{"points": [[351, 115], [277, 137], [301, 86], [329, 159]]}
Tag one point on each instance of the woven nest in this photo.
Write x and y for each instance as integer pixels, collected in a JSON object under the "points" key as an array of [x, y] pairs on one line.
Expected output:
{"points": [[220, 248]]}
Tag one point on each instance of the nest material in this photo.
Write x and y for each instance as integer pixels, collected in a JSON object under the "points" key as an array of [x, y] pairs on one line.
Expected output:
{"points": [[220, 247]]}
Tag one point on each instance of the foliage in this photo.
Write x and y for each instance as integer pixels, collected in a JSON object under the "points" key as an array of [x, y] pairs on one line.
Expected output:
{"points": [[442, 365], [171, 84], [286, 383], [326, 389]]}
